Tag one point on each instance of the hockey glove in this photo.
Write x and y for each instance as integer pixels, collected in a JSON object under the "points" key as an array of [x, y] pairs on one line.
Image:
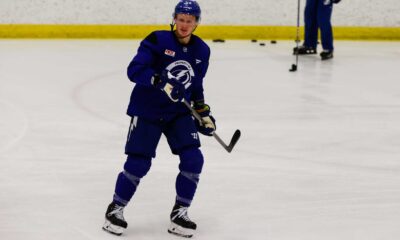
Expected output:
{"points": [[207, 127], [336, 1], [172, 87]]}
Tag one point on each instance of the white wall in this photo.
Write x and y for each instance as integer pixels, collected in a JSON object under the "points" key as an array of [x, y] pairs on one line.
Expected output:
{"points": [[215, 12]]}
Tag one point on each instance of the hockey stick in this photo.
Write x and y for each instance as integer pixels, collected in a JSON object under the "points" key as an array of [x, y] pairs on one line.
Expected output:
{"points": [[294, 66], [234, 139]]}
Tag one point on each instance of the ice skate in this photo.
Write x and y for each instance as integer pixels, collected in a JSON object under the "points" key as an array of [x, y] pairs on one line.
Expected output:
{"points": [[326, 54], [115, 222], [303, 50], [181, 225]]}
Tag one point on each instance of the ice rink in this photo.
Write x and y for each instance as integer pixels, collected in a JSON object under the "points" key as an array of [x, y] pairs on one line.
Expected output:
{"points": [[319, 157]]}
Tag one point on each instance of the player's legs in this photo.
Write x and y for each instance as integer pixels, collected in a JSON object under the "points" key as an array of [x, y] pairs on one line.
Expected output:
{"points": [[142, 141], [135, 168], [191, 164], [141, 144], [324, 23], [183, 139], [310, 24]]}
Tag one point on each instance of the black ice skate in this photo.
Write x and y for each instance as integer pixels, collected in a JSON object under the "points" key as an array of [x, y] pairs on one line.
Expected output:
{"points": [[326, 54], [181, 225], [303, 50], [115, 222]]}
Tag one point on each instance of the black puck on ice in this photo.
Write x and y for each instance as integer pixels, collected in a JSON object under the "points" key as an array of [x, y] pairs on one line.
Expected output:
{"points": [[253, 40], [262, 44], [273, 41], [219, 40]]}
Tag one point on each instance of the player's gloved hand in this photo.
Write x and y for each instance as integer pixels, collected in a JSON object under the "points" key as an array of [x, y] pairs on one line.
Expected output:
{"points": [[207, 127], [336, 1], [174, 89]]}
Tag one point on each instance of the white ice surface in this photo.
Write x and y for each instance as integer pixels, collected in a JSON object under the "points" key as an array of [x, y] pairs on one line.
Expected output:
{"points": [[319, 157]]}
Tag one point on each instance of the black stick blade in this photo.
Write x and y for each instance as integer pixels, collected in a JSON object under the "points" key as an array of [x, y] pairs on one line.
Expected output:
{"points": [[234, 140], [294, 68]]}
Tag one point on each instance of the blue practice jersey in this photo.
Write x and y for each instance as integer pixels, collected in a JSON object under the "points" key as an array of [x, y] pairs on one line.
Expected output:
{"points": [[161, 51]]}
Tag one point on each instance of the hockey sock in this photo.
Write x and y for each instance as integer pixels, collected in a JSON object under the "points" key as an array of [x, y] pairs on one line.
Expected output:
{"points": [[135, 168], [191, 164]]}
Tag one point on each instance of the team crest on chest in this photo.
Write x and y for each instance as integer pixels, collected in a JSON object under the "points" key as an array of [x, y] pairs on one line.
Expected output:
{"points": [[181, 71], [169, 52]]}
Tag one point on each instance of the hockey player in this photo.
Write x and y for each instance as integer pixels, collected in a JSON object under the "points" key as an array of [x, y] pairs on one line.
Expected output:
{"points": [[169, 66], [317, 14]]}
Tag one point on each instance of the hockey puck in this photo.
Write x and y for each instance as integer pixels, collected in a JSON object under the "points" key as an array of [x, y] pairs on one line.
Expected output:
{"points": [[253, 40], [219, 40], [262, 44], [273, 41]]}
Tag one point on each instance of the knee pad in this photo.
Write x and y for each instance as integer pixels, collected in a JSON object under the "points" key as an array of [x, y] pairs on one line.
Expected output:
{"points": [[137, 165], [191, 160]]}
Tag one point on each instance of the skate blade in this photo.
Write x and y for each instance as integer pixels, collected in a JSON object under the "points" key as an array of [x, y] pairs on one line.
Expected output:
{"points": [[180, 231], [113, 229], [326, 58]]}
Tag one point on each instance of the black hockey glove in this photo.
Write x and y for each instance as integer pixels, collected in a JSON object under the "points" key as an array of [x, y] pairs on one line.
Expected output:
{"points": [[207, 127], [174, 89], [336, 1]]}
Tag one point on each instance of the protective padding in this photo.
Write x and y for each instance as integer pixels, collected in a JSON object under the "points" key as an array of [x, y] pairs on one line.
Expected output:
{"points": [[191, 164], [137, 165], [135, 168], [191, 160]]}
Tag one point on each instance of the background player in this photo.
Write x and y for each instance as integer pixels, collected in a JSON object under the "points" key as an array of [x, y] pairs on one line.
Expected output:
{"points": [[317, 14]]}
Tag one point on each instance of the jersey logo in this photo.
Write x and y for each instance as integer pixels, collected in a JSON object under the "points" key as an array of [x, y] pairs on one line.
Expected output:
{"points": [[195, 136], [169, 53], [198, 61], [182, 71]]}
